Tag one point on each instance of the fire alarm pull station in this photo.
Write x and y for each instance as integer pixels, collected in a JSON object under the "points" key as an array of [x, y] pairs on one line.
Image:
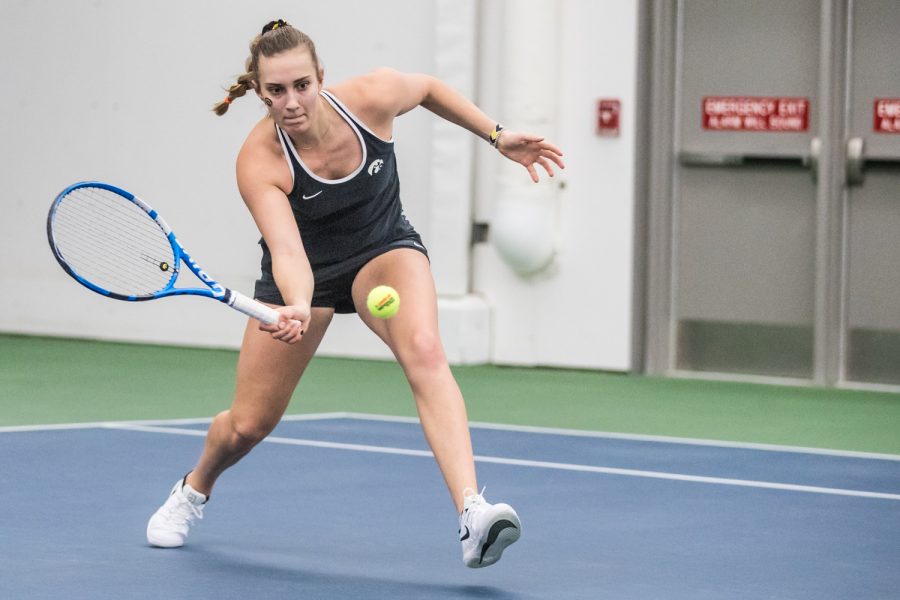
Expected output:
{"points": [[608, 111]]}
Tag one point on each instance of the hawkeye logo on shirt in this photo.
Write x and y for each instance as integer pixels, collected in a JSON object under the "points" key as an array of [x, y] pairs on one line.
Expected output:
{"points": [[375, 166]]}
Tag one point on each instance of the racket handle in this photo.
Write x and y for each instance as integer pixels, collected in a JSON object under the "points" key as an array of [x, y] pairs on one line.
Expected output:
{"points": [[252, 308]]}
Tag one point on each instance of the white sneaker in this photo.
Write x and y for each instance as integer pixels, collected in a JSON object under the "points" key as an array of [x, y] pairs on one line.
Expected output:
{"points": [[485, 530], [169, 526]]}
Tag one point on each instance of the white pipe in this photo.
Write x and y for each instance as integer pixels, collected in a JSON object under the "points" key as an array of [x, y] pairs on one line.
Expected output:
{"points": [[524, 224]]}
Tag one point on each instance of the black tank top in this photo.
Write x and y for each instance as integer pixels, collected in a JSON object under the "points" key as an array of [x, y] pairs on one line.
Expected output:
{"points": [[341, 219]]}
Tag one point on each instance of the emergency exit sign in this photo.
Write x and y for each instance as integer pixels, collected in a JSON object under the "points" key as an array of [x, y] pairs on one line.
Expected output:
{"points": [[887, 115], [755, 113]]}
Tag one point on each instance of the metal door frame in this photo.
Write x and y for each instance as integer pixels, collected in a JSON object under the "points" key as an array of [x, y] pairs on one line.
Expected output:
{"points": [[653, 267]]}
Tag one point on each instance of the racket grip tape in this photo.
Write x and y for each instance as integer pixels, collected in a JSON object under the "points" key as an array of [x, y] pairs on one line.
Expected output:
{"points": [[252, 308]]}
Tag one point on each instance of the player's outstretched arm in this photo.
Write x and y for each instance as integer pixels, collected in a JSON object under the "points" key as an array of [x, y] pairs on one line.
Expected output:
{"points": [[401, 92]]}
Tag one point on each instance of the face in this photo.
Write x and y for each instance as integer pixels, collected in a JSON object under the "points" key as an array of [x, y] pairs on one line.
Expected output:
{"points": [[289, 79]]}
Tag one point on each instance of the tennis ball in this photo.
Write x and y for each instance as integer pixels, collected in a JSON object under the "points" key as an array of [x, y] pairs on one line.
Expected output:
{"points": [[383, 301]]}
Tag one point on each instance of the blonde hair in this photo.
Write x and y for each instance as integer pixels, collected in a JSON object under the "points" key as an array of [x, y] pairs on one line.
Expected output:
{"points": [[276, 36]]}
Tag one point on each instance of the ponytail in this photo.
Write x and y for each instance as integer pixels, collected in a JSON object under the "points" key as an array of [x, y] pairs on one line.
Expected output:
{"points": [[244, 83]]}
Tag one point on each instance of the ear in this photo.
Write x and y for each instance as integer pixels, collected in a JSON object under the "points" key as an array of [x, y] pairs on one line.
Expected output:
{"points": [[255, 85], [321, 75]]}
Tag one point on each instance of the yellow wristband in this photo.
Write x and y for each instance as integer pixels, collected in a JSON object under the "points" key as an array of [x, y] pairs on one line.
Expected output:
{"points": [[495, 135]]}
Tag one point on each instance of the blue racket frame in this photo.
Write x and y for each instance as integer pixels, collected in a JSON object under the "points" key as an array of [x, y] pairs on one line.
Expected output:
{"points": [[213, 290]]}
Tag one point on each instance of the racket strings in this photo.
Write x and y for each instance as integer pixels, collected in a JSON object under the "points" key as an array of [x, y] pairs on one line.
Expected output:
{"points": [[109, 223], [92, 269], [118, 219], [109, 236], [112, 243], [78, 224], [91, 264]]}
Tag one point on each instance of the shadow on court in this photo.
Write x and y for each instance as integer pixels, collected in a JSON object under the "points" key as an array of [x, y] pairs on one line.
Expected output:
{"points": [[254, 573]]}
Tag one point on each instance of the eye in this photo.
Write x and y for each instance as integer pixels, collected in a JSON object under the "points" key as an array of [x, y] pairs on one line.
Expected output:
{"points": [[302, 85], [275, 91]]}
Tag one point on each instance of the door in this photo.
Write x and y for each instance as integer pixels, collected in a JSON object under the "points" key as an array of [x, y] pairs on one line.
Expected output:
{"points": [[872, 312], [778, 241]]}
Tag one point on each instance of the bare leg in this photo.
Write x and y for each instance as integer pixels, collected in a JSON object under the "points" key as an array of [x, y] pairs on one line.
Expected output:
{"points": [[414, 339], [267, 373]]}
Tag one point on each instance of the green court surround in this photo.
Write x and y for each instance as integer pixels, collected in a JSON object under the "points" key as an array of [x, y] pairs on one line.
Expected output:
{"points": [[51, 380]]}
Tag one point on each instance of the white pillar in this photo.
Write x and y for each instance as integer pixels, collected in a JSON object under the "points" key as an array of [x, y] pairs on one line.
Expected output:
{"points": [[524, 223]]}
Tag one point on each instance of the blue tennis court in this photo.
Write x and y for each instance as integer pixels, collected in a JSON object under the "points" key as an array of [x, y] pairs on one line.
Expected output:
{"points": [[352, 506]]}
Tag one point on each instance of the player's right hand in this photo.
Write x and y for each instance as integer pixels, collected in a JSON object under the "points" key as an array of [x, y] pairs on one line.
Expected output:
{"points": [[293, 322]]}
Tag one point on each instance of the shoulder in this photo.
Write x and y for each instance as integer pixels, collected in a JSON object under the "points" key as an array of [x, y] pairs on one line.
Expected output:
{"points": [[382, 93], [370, 87], [261, 159], [262, 138]]}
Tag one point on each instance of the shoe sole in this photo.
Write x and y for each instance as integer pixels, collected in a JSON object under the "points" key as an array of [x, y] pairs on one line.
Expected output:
{"points": [[502, 534], [164, 545], [159, 542]]}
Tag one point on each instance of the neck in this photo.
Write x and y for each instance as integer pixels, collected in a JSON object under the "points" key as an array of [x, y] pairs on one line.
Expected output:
{"points": [[319, 131]]}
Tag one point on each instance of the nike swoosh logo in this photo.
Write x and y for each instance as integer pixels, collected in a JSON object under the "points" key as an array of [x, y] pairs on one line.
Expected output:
{"points": [[465, 537], [305, 197]]}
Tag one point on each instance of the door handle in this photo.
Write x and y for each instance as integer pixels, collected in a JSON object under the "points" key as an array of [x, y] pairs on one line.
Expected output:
{"points": [[726, 159], [815, 150], [856, 161], [734, 159]]}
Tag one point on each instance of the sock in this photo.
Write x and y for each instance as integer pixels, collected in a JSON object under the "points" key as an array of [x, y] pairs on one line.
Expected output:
{"points": [[193, 496]]}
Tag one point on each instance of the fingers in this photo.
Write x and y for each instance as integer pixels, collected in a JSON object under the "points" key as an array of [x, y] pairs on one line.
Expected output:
{"points": [[546, 164], [290, 327], [540, 160], [552, 148], [529, 150], [289, 331], [555, 157]]}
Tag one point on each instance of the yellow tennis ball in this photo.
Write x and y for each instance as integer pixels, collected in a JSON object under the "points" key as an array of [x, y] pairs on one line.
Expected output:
{"points": [[383, 301]]}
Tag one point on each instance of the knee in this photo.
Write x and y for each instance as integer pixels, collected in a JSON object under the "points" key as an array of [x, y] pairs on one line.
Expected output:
{"points": [[249, 431], [423, 352]]}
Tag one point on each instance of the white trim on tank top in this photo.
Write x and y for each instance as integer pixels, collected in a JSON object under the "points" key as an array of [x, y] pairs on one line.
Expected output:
{"points": [[356, 171], [335, 101]]}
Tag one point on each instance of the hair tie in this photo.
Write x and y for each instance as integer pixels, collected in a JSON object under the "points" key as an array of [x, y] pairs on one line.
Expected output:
{"points": [[273, 25], [228, 100]]}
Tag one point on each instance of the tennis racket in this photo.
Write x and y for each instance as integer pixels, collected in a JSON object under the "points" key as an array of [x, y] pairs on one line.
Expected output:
{"points": [[112, 242]]}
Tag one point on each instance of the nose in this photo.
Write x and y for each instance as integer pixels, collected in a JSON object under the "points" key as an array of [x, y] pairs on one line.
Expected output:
{"points": [[292, 100]]}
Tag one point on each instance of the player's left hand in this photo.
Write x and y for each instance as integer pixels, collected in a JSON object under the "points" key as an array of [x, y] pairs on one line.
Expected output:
{"points": [[528, 150]]}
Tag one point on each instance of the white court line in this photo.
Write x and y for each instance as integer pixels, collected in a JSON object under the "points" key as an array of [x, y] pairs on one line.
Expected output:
{"points": [[490, 426], [629, 437], [192, 421], [533, 463]]}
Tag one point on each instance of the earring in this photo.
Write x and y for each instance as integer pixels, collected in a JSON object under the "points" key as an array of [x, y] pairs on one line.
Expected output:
{"points": [[268, 101]]}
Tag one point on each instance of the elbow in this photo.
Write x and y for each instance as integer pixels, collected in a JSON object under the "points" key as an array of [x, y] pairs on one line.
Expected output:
{"points": [[292, 258], [430, 87]]}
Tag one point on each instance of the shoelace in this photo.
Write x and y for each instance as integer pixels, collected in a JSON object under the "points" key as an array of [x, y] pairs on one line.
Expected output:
{"points": [[183, 512], [471, 501], [473, 497]]}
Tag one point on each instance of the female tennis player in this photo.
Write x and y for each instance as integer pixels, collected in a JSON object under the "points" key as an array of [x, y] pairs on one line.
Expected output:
{"points": [[319, 177]]}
